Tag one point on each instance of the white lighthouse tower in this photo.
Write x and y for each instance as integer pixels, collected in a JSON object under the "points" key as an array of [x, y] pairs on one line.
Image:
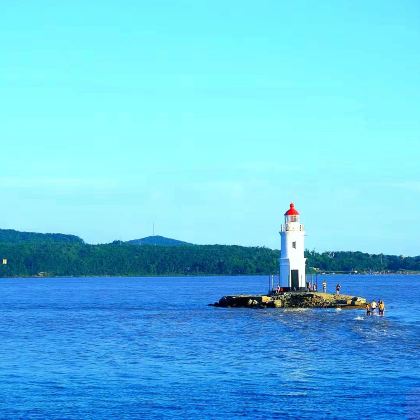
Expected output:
{"points": [[292, 258]]}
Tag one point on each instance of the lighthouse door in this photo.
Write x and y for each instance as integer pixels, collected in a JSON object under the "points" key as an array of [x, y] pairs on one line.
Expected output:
{"points": [[295, 279]]}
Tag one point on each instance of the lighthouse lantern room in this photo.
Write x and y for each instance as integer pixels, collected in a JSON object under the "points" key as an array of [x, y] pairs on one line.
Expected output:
{"points": [[292, 258]]}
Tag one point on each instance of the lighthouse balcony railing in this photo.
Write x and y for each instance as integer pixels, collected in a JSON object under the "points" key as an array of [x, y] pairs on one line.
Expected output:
{"points": [[287, 228]]}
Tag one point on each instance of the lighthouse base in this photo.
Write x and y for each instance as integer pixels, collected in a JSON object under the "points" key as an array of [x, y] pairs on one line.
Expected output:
{"points": [[292, 300]]}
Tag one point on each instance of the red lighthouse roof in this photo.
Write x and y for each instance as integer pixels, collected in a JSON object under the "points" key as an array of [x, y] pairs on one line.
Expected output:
{"points": [[292, 211]]}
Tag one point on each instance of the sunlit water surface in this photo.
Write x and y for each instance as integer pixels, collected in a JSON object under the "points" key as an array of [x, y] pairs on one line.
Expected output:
{"points": [[124, 348]]}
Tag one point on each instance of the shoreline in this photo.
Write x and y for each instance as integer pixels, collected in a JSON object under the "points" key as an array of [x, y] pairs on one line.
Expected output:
{"points": [[415, 273]]}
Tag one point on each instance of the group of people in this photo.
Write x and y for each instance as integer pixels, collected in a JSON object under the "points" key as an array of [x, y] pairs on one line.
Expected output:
{"points": [[337, 287], [372, 306], [312, 287]]}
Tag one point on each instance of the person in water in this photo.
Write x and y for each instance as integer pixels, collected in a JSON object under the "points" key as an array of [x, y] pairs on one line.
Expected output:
{"points": [[373, 305], [381, 308], [337, 289], [368, 309], [324, 286]]}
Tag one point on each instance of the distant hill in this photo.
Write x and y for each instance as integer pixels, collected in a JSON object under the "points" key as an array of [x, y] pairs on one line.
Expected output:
{"points": [[14, 236], [158, 241]]}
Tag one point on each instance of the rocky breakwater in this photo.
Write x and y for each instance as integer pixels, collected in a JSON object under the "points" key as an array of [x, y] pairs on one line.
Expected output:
{"points": [[292, 300]]}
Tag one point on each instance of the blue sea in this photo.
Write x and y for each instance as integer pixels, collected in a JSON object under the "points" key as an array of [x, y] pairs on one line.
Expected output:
{"points": [[134, 348]]}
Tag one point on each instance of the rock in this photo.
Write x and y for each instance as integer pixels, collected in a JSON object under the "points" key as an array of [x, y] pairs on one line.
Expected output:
{"points": [[293, 300], [265, 299]]}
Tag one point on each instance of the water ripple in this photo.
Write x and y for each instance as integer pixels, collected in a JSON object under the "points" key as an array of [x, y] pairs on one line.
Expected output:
{"points": [[127, 348]]}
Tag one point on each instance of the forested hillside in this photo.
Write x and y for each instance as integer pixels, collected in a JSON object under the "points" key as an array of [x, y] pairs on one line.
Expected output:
{"points": [[121, 259], [14, 236]]}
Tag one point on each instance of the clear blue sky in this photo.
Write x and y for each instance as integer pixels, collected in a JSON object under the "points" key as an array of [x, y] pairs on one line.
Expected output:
{"points": [[208, 117]]}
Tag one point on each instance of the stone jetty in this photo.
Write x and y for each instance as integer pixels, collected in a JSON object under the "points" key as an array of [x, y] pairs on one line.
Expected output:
{"points": [[299, 299]]}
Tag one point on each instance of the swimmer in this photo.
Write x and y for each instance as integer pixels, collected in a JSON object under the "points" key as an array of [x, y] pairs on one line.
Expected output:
{"points": [[373, 305]]}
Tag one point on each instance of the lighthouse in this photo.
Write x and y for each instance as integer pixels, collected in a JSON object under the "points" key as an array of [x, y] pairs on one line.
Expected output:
{"points": [[292, 257]]}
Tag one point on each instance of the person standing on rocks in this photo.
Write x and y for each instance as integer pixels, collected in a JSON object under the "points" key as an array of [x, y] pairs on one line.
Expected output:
{"points": [[324, 286], [337, 289]]}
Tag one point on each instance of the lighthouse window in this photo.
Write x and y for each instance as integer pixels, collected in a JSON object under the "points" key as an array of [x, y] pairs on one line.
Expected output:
{"points": [[294, 245]]}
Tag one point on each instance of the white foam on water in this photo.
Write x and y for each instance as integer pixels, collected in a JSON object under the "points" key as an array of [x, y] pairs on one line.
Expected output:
{"points": [[296, 309], [293, 394]]}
